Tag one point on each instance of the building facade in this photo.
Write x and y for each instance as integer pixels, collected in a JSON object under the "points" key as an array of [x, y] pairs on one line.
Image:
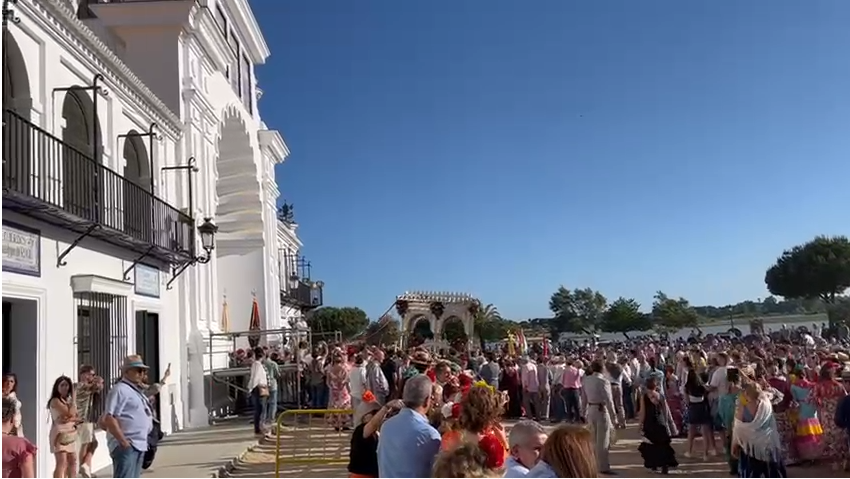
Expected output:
{"points": [[126, 124], [289, 254]]}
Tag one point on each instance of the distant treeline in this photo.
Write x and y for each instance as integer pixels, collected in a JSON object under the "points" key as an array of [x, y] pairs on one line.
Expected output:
{"points": [[767, 307]]}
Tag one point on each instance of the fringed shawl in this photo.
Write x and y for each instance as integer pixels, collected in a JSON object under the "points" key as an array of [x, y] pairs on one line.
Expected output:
{"points": [[759, 438]]}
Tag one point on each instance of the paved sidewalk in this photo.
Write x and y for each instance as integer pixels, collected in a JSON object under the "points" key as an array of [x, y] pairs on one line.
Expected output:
{"points": [[199, 452]]}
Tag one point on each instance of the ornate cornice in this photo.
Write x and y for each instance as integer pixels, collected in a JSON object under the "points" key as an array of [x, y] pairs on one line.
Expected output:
{"points": [[272, 143], [287, 233], [428, 296], [65, 26]]}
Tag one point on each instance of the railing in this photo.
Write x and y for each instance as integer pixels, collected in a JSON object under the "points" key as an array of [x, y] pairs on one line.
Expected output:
{"points": [[312, 437], [37, 165], [305, 295]]}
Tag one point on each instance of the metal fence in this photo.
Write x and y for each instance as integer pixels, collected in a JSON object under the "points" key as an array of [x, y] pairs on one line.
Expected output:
{"points": [[312, 437]]}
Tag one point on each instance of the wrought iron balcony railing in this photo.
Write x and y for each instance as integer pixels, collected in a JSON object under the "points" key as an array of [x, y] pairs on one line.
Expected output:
{"points": [[48, 179], [307, 295]]}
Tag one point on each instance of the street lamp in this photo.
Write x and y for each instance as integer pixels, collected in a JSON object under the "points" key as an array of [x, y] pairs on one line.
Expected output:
{"points": [[208, 231], [293, 280]]}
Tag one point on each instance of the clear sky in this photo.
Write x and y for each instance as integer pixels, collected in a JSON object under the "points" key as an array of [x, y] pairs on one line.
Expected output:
{"points": [[505, 147]]}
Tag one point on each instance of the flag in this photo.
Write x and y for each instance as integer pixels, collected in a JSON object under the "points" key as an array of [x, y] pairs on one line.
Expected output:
{"points": [[511, 347], [225, 316], [254, 324], [545, 347], [523, 345]]}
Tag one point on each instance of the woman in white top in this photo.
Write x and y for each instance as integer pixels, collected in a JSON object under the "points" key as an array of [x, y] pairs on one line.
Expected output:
{"points": [[10, 390], [357, 381], [258, 384]]}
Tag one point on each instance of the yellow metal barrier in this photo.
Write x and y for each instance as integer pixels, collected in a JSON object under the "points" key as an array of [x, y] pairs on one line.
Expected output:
{"points": [[310, 436]]}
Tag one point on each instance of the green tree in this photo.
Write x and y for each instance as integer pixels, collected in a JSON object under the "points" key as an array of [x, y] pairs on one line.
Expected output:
{"points": [[670, 314], [839, 312], [383, 332], [348, 321], [817, 269], [489, 324], [623, 316], [576, 311]]}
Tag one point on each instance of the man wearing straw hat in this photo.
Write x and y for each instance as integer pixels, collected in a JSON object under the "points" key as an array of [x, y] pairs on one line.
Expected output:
{"points": [[128, 419]]}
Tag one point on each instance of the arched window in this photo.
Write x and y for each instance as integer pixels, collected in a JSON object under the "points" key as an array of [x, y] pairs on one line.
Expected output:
{"points": [[17, 150], [137, 202], [82, 192]]}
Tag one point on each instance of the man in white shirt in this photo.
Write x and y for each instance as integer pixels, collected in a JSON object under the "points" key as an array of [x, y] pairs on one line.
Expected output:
{"points": [[718, 386], [357, 381], [530, 388], [525, 441], [258, 385]]}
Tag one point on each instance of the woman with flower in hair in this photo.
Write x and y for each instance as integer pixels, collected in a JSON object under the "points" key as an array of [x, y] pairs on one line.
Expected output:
{"points": [[480, 415], [471, 459], [368, 418]]}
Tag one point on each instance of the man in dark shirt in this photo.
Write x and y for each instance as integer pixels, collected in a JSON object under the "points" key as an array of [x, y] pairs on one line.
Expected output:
{"points": [[388, 366]]}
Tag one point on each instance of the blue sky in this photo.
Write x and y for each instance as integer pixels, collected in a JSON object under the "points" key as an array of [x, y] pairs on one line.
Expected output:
{"points": [[503, 148]]}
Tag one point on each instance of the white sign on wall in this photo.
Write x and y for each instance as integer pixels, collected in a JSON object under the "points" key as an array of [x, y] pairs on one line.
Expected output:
{"points": [[147, 280], [21, 249]]}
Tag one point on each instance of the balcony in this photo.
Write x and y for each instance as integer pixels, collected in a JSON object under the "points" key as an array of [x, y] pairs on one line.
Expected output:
{"points": [[47, 179], [305, 296], [296, 288]]}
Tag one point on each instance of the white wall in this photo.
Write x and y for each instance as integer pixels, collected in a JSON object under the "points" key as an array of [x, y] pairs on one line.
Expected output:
{"points": [[58, 322], [57, 59]]}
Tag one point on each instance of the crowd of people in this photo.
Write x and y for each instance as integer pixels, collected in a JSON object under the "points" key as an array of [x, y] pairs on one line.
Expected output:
{"points": [[765, 405], [127, 415]]}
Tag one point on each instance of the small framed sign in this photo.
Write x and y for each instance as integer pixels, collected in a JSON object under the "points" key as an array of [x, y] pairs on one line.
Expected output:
{"points": [[147, 280], [21, 249]]}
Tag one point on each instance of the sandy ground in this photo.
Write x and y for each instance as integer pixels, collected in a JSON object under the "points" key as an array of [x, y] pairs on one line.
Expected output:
{"points": [[315, 441]]}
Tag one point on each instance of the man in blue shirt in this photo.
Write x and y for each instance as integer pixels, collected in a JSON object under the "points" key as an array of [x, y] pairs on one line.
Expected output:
{"points": [[128, 419], [409, 444]]}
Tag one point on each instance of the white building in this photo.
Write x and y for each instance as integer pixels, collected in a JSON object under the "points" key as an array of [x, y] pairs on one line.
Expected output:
{"points": [[289, 247], [98, 215]]}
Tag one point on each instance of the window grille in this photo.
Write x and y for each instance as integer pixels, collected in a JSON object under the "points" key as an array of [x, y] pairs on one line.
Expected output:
{"points": [[101, 339]]}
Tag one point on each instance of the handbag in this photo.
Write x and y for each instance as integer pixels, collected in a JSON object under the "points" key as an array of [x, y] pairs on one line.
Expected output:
{"points": [[66, 438], [263, 391]]}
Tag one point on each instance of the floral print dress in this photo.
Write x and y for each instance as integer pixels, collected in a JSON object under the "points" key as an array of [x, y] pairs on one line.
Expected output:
{"points": [[340, 397], [834, 441]]}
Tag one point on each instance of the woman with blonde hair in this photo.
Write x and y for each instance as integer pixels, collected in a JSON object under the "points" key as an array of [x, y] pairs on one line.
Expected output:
{"points": [[568, 452], [756, 442]]}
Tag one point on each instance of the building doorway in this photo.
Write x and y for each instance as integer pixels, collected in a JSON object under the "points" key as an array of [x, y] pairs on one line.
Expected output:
{"points": [[20, 356], [147, 345]]}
